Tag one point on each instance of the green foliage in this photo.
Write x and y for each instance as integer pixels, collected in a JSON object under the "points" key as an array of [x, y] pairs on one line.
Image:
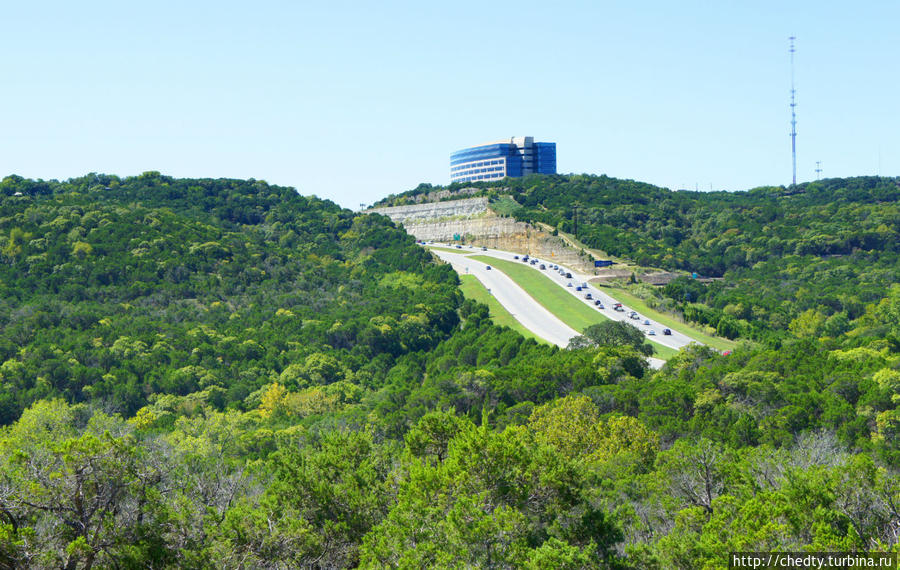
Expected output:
{"points": [[161, 285], [304, 387], [613, 333], [499, 499]]}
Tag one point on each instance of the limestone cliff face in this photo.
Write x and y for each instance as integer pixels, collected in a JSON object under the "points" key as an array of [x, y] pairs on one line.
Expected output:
{"points": [[474, 222], [431, 211]]}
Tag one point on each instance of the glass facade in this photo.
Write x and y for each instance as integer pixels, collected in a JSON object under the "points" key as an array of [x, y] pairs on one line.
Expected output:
{"points": [[545, 158], [494, 161]]}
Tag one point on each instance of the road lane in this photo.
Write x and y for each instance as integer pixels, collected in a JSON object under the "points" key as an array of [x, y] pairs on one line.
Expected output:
{"points": [[676, 340], [514, 299], [518, 302]]}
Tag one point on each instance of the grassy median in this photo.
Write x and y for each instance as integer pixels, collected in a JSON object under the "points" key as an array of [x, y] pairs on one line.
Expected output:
{"points": [[640, 306], [565, 306], [465, 251], [473, 289]]}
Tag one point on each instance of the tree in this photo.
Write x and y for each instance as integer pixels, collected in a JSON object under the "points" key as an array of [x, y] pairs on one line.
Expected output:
{"points": [[613, 333], [85, 498], [495, 499]]}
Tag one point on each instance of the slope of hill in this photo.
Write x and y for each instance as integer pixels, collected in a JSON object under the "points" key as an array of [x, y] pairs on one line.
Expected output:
{"points": [[821, 251], [225, 374], [116, 289]]}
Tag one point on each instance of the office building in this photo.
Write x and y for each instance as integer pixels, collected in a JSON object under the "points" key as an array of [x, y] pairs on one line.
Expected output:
{"points": [[515, 156]]}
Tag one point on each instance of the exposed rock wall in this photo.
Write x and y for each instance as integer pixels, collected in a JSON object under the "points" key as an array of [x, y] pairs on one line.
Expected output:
{"points": [[476, 224], [430, 211]]}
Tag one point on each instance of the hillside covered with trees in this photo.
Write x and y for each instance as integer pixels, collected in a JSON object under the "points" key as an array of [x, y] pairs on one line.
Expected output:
{"points": [[808, 258], [226, 374]]}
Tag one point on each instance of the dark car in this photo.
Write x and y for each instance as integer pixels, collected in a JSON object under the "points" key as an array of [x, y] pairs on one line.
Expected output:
{"points": [[588, 296], [568, 275], [488, 268], [667, 332], [515, 257], [543, 266]]}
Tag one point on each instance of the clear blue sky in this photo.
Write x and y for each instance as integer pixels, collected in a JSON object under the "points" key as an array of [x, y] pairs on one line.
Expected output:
{"points": [[355, 100]]}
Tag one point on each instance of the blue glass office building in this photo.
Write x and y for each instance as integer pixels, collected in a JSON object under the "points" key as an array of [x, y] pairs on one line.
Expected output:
{"points": [[516, 156]]}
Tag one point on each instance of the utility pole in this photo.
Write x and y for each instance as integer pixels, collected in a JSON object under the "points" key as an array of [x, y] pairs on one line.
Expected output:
{"points": [[818, 168], [793, 117], [575, 216]]}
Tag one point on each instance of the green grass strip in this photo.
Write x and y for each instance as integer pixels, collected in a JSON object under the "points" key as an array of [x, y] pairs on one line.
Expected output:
{"points": [[557, 300], [466, 251], [640, 306], [550, 295], [473, 289]]}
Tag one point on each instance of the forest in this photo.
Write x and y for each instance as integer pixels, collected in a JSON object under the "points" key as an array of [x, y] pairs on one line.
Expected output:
{"points": [[216, 373]]}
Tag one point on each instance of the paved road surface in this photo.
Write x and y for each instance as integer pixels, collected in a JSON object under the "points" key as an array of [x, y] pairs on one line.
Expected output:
{"points": [[676, 340], [534, 317], [538, 319]]}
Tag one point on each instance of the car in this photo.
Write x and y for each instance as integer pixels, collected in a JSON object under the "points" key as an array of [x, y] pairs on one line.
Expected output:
{"points": [[488, 268], [647, 322], [584, 285], [569, 284], [483, 248], [588, 297], [543, 266], [599, 304], [667, 332], [516, 257], [459, 247], [651, 332], [568, 275], [578, 288]]}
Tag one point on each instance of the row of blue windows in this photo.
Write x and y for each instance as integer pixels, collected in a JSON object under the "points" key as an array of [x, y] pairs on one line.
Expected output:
{"points": [[477, 164], [483, 153], [479, 177], [479, 170]]}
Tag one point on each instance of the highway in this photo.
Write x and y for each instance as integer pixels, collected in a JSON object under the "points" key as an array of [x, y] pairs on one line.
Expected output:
{"points": [[514, 299], [538, 319]]}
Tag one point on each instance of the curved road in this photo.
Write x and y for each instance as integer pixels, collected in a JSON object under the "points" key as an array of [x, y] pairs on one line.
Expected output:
{"points": [[539, 320]]}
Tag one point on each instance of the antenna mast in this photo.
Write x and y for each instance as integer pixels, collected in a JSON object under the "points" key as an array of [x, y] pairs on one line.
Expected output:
{"points": [[793, 117]]}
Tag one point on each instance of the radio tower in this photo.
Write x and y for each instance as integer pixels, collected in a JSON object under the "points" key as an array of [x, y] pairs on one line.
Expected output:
{"points": [[793, 117]]}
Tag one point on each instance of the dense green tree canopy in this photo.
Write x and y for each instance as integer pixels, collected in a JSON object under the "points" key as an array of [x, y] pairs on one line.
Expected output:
{"points": [[226, 374]]}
